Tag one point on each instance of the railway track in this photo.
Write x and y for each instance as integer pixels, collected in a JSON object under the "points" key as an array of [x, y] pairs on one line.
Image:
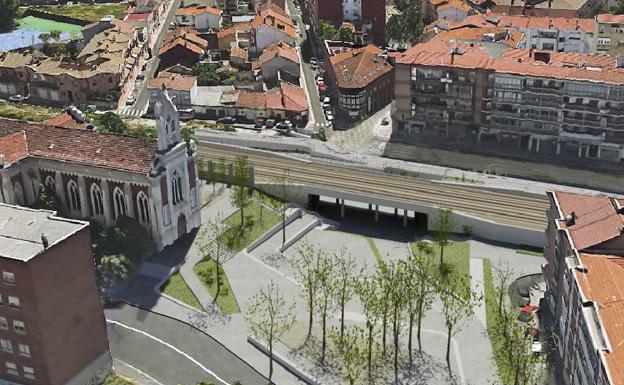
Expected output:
{"points": [[514, 208]]}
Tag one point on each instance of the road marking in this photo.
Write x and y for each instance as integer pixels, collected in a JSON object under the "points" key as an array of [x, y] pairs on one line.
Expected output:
{"points": [[142, 373], [202, 367]]}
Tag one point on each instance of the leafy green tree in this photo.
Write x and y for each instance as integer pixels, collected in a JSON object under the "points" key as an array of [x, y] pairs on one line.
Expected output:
{"points": [[344, 34], [420, 290], [47, 200], [305, 264], [349, 346], [347, 274], [443, 227], [406, 27], [284, 183], [327, 31], [269, 317], [395, 274], [241, 197], [210, 248], [9, 11], [370, 295], [326, 270], [111, 122], [457, 309]]}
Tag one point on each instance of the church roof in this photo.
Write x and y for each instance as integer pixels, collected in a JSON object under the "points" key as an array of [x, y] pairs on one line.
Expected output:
{"points": [[79, 146]]}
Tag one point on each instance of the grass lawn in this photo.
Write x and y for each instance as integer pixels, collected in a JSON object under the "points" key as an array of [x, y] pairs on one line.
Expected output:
{"points": [[88, 12], [22, 111], [374, 249], [456, 255], [528, 250], [226, 301], [177, 288], [118, 380], [236, 238]]}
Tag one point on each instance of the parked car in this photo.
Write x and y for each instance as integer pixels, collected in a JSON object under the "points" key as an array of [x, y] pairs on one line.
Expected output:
{"points": [[314, 63], [259, 123], [226, 120], [140, 77], [319, 79], [17, 98], [269, 123], [326, 102], [329, 115], [285, 125], [385, 121], [131, 99]]}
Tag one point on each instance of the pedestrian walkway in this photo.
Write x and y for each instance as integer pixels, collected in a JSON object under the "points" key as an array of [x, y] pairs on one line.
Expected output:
{"points": [[131, 111], [476, 278]]}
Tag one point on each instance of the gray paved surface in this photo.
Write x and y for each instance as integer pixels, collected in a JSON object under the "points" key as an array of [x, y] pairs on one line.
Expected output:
{"points": [[163, 362]]}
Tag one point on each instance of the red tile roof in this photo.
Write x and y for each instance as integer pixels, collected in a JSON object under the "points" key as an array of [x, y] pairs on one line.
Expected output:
{"points": [[273, 7], [276, 20], [279, 49], [137, 16], [173, 81], [251, 100], [65, 120], [358, 67], [287, 97], [195, 10], [525, 22], [13, 146], [456, 4], [610, 19], [560, 65], [602, 282], [111, 151], [596, 218]]}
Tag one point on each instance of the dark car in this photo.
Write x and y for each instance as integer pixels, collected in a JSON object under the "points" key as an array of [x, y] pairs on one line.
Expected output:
{"points": [[226, 120], [259, 123], [269, 123]]}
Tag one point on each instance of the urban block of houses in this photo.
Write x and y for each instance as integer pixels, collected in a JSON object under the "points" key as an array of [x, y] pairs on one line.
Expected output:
{"points": [[212, 102], [485, 35], [102, 73], [550, 8], [585, 286], [453, 10], [608, 32], [149, 14], [106, 176], [200, 17], [279, 61], [182, 47], [236, 36], [270, 26], [360, 79], [530, 104], [181, 89]]}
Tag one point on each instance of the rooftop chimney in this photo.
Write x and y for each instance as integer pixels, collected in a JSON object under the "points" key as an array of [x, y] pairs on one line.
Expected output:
{"points": [[44, 240], [571, 219]]}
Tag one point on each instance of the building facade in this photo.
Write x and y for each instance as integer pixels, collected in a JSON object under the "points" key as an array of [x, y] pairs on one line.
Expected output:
{"points": [[584, 281], [609, 34], [368, 15], [199, 17], [52, 331], [527, 104], [106, 176]]}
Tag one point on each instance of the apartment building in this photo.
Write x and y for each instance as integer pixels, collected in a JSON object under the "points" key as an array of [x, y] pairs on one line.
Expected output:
{"points": [[100, 75], [359, 78], [609, 32], [550, 8], [52, 331], [585, 282], [369, 16], [271, 26], [528, 104]]}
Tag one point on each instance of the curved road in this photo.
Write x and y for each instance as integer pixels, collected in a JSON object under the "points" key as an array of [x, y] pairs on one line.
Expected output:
{"points": [[505, 207]]}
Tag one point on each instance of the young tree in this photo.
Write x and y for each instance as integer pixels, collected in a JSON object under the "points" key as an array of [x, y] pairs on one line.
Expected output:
{"points": [[305, 264], [220, 170], [347, 274], [383, 281], [349, 347], [395, 273], [47, 199], [504, 274], [419, 291], [284, 182], [269, 317], [326, 270], [241, 199], [443, 227], [369, 293], [210, 248], [458, 303]]}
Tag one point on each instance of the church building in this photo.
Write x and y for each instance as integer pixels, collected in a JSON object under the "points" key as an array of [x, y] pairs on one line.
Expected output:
{"points": [[106, 176]]}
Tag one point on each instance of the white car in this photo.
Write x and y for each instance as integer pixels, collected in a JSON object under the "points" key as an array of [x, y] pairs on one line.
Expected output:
{"points": [[319, 80], [329, 116], [326, 102], [17, 98], [131, 99]]}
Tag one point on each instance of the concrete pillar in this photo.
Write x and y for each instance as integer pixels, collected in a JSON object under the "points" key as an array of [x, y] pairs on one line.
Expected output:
{"points": [[106, 204], [376, 213], [60, 187], [130, 199], [396, 212], [7, 189], [370, 206], [404, 218], [342, 208], [82, 191], [337, 201]]}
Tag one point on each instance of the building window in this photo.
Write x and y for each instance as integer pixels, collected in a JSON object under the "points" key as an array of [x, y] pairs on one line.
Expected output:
{"points": [[8, 277], [11, 368], [24, 350], [143, 207], [4, 325], [29, 372], [50, 184], [74, 196], [19, 327], [96, 200], [6, 346], [176, 188], [120, 203], [14, 302]]}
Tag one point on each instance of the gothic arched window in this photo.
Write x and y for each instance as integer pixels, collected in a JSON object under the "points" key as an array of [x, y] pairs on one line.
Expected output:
{"points": [[50, 183], [96, 200], [143, 207], [176, 187], [74, 196], [119, 199]]}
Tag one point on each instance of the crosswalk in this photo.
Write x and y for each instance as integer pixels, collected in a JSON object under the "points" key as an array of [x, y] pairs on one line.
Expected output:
{"points": [[131, 111]]}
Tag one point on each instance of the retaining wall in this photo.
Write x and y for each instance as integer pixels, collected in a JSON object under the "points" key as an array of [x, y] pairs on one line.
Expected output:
{"points": [[54, 17]]}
